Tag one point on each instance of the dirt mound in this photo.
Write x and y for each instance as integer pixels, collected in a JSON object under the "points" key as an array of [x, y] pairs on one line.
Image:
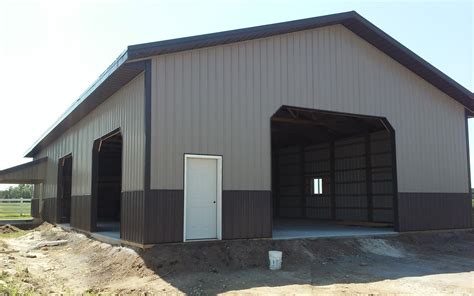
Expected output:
{"points": [[7, 228], [83, 265], [45, 226]]}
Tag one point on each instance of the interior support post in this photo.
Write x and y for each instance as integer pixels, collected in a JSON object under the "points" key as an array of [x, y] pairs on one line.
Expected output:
{"points": [[276, 185], [332, 169], [303, 183], [368, 178]]}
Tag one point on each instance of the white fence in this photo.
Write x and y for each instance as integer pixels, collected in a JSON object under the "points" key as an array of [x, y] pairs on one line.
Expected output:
{"points": [[11, 209]]}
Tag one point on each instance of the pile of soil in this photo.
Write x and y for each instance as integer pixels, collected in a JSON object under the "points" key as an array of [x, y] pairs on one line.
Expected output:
{"points": [[7, 228], [83, 265]]}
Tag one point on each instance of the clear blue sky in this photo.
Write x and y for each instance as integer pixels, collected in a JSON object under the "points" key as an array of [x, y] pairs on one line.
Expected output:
{"points": [[51, 51]]}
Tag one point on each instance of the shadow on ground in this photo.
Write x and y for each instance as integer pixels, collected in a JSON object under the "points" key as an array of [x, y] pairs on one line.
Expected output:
{"points": [[222, 266]]}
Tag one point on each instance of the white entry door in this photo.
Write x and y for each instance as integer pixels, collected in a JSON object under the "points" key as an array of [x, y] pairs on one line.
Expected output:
{"points": [[202, 197]]}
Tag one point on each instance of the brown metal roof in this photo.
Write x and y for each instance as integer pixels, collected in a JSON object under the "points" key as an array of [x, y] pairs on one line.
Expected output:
{"points": [[351, 20]]}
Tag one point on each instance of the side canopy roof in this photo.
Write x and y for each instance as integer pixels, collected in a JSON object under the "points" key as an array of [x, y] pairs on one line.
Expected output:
{"points": [[124, 69], [32, 172]]}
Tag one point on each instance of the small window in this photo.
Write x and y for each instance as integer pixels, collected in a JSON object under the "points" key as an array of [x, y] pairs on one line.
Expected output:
{"points": [[317, 186]]}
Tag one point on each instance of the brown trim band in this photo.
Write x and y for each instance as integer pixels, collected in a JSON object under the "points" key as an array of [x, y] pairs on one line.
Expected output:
{"points": [[147, 165]]}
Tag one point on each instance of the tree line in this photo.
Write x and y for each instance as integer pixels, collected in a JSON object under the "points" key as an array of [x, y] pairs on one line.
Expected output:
{"points": [[24, 191]]}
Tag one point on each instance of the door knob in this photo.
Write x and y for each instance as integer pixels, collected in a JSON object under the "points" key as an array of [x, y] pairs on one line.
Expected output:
{"points": [[214, 202]]}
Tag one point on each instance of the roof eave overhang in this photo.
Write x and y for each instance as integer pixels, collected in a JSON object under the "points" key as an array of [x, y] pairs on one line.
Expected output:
{"points": [[116, 76]]}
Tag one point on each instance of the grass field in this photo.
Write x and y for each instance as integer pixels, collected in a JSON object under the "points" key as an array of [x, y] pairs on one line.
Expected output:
{"points": [[15, 211]]}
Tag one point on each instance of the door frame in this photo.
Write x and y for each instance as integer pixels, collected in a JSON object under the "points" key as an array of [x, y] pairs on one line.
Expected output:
{"points": [[219, 192], [60, 189], [96, 145]]}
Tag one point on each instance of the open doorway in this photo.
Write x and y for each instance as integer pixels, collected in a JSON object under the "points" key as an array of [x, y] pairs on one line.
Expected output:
{"points": [[64, 189], [107, 184], [332, 174]]}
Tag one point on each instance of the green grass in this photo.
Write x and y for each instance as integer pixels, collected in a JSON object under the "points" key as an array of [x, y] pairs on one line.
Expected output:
{"points": [[15, 211]]}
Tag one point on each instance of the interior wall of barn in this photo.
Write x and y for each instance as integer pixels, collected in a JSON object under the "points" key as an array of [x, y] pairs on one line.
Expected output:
{"points": [[356, 174], [109, 180]]}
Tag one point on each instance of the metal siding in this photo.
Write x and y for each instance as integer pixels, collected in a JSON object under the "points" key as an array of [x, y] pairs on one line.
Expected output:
{"points": [[447, 211], [350, 179], [353, 180], [132, 221], [246, 214], [48, 209], [329, 68], [124, 110], [35, 208], [81, 212], [290, 184], [164, 216]]}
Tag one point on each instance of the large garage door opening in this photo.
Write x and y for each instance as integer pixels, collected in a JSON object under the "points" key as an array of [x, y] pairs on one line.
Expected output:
{"points": [[332, 174], [107, 184]]}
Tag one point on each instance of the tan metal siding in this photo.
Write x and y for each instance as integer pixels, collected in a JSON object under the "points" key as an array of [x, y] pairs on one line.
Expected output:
{"points": [[124, 110], [219, 100]]}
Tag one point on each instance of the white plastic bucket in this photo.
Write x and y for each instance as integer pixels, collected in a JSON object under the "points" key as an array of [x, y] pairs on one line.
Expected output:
{"points": [[275, 259]]}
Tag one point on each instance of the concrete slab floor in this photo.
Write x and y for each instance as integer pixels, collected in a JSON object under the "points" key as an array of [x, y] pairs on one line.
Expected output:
{"points": [[307, 228], [109, 228], [107, 232]]}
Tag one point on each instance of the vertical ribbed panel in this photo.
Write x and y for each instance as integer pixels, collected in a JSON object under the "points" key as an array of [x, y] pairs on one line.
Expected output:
{"points": [[317, 163], [164, 216], [246, 214], [446, 211], [35, 208], [47, 208], [219, 100], [382, 179], [350, 179], [132, 220], [124, 110], [32, 173], [355, 183], [81, 212], [290, 202]]}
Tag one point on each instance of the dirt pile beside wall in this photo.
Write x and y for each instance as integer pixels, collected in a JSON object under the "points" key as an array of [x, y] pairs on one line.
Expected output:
{"points": [[84, 265], [4, 229]]}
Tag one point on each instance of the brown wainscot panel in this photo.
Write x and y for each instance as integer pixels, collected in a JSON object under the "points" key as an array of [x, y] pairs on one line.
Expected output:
{"points": [[432, 211], [48, 209], [81, 212], [246, 214], [132, 220], [164, 216]]}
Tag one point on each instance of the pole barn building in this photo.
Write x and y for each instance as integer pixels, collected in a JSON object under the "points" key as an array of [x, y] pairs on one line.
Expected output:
{"points": [[238, 134]]}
